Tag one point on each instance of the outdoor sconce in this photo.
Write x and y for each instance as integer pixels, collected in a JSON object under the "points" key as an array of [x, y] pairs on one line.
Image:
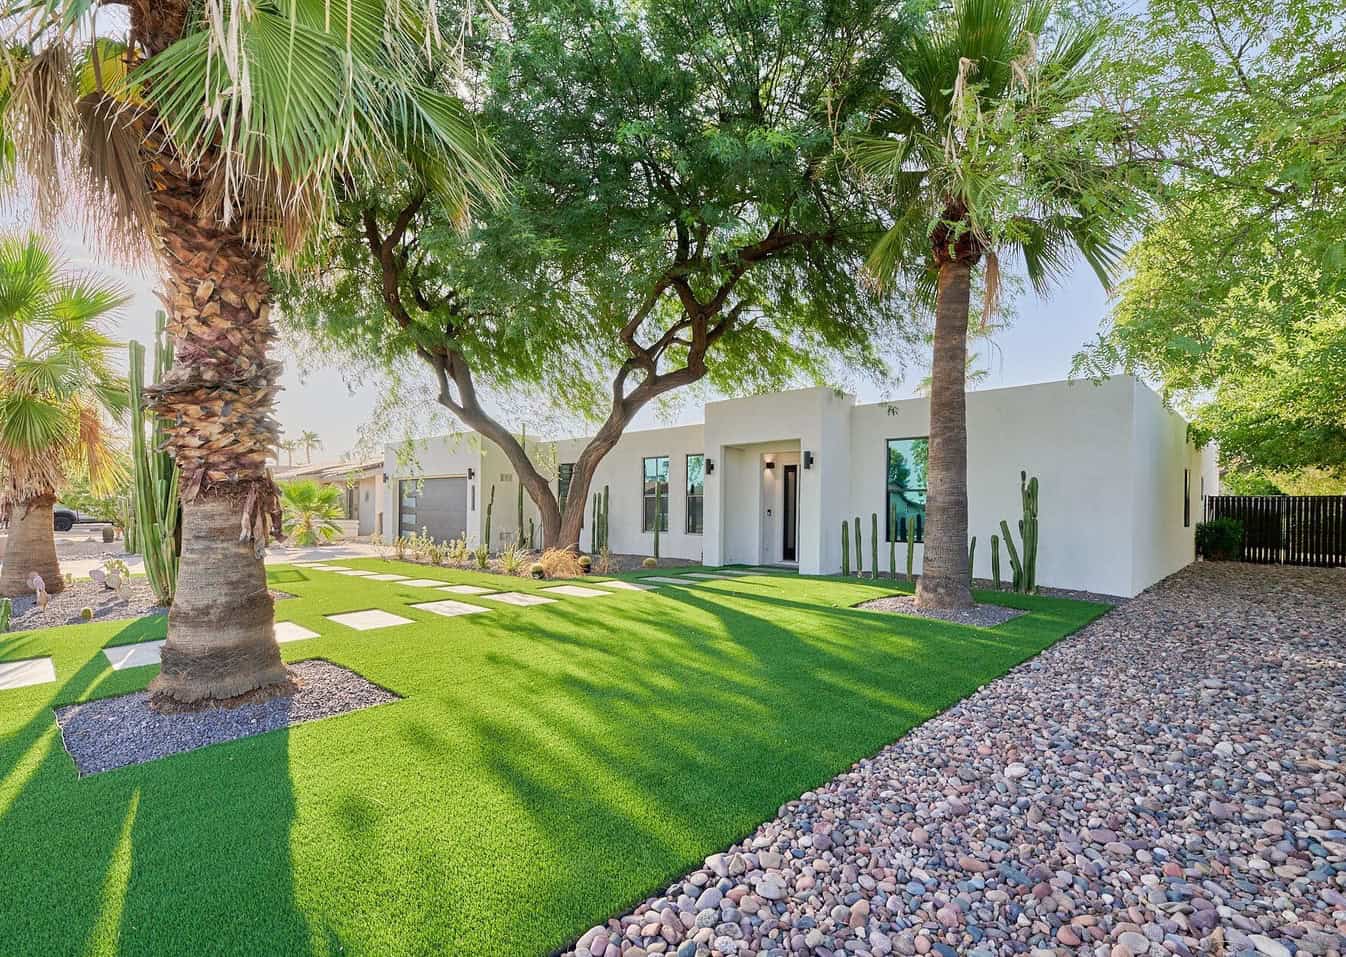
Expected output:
{"points": [[808, 460], [385, 476], [770, 464], [710, 466], [471, 474]]}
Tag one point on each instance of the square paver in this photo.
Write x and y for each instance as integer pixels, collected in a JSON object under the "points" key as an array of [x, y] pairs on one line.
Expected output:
{"points": [[576, 591], [133, 656], [289, 631], [354, 571], [709, 575], [21, 674], [466, 589], [519, 598], [624, 586], [670, 581], [735, 571], [387, 578], [423, 582], [325, 568], [449, 608], [369, 619]]}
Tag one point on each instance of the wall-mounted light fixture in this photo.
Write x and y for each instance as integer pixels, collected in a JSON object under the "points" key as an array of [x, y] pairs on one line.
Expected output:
{"points": [[808, 460], [770, 464], [471, 474], [710, 466], [385, 476]]}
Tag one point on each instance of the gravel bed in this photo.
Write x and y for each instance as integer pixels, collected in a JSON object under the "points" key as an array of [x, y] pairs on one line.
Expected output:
{"points": [[65, 607], [116, 732], [86, 542], [1170, 780], [981, 615]]}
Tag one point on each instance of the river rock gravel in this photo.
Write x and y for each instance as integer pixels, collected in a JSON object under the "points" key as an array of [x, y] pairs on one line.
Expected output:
{"points": [[980, 615], [115, 732], [1170, 780]]}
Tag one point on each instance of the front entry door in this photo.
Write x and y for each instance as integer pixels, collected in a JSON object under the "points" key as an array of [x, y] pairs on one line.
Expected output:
{"points": [[789, 509]]}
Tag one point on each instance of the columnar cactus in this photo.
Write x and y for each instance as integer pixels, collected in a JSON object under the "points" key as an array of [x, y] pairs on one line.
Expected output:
{"points": [[892, 543], [845, 548], [607, 503], [1025, 568], [874, 545], [657, 516], [6, 613], [594, 542], [532, 535], [971, 558], [859, 550], [154, 512], [911, 551], [486, 532], [1016, 569], [995, 561]]}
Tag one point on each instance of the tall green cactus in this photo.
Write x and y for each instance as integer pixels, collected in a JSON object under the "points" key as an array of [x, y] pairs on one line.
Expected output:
{"points": [[658, 515], [971, 558], [1025, 567], [995, 560], [594, 544], [518, 537], [607, 503], [859, 551], [490, 509], [532, 536], [845, 548], [1016, 569], [892, 542], [155, 511], [6, 612], [911, 552], [874, 545]]}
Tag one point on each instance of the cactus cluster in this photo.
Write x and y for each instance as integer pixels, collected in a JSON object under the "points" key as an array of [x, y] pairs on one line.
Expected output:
{"points": [[154, 512], [1025, 568]]}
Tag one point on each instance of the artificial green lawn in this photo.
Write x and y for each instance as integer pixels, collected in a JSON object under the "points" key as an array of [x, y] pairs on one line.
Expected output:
{"points": [[549, 765]]}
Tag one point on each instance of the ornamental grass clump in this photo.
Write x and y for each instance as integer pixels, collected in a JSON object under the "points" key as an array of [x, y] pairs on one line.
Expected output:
{"points": [[561, 563]]}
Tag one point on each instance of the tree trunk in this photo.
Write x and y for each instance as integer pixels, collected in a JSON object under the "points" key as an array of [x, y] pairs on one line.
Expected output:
{"points": [[944, 578], [31, 547], [217, 402], [221, 638]]}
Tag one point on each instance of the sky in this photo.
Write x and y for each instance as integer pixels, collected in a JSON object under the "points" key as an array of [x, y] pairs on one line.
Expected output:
{"points": [[1037, 347]]}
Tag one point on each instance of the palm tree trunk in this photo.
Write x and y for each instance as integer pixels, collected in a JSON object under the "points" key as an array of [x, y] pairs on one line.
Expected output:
{"points": [[944, 579], [217, 402], [31, 547]]}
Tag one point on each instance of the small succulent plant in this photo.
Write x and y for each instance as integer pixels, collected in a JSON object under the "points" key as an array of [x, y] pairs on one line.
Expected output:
{"points": [[537, 571], [86, 613], [649, 563]]}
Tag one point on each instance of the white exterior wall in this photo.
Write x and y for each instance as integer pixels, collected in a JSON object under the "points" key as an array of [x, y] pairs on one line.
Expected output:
{"points": [[445, 456]]}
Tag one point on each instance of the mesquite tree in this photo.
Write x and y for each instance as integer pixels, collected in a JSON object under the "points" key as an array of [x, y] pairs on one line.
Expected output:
{"points": [[678, 217]]}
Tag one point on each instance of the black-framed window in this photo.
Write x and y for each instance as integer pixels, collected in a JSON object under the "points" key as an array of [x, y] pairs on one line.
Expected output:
{"points": [[654, 493], [564, 473], [696, 494], [1186, 498], [907, 463]]}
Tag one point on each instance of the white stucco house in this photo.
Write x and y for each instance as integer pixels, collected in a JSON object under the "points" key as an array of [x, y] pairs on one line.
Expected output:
{"points": [[769, 480]]}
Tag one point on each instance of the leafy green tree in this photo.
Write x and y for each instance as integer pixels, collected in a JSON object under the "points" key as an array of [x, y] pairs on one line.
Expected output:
{"points": [[1236, 299], [678, 218], [210, 142], [998, 140], [56, 385], [311, 511]]}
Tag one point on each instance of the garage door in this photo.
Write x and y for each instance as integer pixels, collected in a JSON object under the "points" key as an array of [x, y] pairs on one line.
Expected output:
{"points": [[439, 506]]}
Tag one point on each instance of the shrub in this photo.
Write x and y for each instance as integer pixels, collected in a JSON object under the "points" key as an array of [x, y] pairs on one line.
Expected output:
{"points": [[456, 551], [560, 563], [649, 563], [604, 565], [310, 512], [1220, 539], [537, 571], [482, 556], [511, 560], [586, 564]]}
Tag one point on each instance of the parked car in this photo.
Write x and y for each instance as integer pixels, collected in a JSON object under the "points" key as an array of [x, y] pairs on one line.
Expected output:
{"points": [[65, 518]]}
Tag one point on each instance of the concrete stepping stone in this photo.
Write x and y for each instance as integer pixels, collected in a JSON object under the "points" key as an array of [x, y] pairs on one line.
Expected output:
{"points": [[423, 582], [449, 608], [354, 571], [624, 586], [323, 568], [670, 581], [21, 674], [387, 578], [466, 589], [133, 656], [290, 631], [735, 571], [709, 575], [519, 598], [369, 619], [576, 591]]}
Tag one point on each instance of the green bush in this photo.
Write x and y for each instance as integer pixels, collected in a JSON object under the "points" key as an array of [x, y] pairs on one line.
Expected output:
{"points": [[1220, 539]]}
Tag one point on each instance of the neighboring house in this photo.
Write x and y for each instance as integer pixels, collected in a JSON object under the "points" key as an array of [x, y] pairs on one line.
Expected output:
{"points": [[361, 485], [769, 480]]}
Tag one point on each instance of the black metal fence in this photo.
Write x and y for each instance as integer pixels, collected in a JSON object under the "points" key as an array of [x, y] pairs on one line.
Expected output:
{"points": [[1287, 529]]}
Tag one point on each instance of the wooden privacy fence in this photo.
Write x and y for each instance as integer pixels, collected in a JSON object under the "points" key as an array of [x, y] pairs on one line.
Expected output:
{"points": [[1287, 529]]}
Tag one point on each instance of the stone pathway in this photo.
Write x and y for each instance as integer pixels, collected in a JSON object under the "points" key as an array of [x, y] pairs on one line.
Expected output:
{"points": [[30, 671], [1171, 780]]}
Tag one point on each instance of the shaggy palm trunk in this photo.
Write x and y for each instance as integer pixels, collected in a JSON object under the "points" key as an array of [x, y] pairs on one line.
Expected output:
{"points": [[943, 582], [31, 547], [216, 402]]}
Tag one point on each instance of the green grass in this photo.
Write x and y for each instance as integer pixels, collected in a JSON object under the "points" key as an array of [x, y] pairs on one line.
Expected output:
{"points": [[549, 765]]}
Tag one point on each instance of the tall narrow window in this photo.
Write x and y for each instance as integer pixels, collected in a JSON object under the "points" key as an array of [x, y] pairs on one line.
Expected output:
{"points": [[654, 493], [696, 493], [564, 473], [1186, 498], [908, 461]]}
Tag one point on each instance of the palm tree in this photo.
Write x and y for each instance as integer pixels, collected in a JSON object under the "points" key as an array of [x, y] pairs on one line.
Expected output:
{"points": [[55, 383], [311, 511], [308, 441], [988, 148], [215, 140], [289, 447]]}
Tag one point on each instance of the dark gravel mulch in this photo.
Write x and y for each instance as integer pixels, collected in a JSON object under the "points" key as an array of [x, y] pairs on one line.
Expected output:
{"points": [[116, 732], [982, 615]]}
